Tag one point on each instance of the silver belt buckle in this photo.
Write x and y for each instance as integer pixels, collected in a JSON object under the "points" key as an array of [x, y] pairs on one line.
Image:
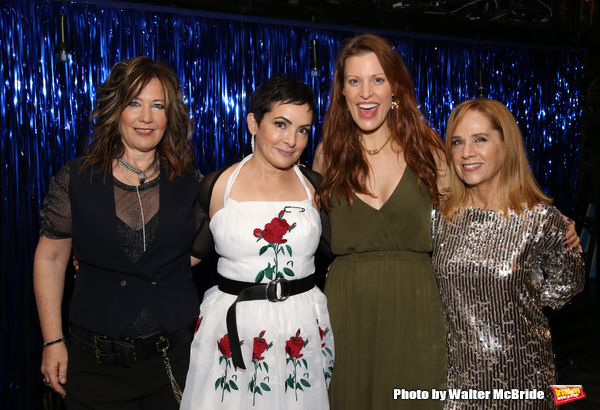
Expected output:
{"points": [[285, 287]]}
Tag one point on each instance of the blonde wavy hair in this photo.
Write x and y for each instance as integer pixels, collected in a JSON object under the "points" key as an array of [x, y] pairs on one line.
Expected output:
{"points": [[518, 187]]}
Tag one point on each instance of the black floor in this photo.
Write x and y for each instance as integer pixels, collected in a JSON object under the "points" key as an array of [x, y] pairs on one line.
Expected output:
{"points": [[576, 336]]}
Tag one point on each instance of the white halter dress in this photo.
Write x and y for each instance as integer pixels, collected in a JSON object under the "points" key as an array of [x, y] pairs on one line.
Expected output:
{"points": [[287, 346]]}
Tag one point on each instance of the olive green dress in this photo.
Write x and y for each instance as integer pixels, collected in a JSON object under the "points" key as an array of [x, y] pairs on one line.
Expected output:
{"points": [[384, 303]]}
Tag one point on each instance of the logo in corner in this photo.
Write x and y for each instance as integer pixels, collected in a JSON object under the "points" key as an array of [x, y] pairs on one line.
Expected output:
{"points": [[567, 393]]}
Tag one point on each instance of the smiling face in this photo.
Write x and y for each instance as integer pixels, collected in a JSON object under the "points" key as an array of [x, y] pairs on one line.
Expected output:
{"points": [[282, 134], [368, 92], [478, 152], [143, 121]]}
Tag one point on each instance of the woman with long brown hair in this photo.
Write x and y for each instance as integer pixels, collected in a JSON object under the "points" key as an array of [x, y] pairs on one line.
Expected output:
{"points": [[383, 168], [126, 210]]}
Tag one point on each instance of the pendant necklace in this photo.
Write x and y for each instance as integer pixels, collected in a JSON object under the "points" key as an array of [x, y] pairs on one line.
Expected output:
{"points": [[376, 151], [146, 174]]}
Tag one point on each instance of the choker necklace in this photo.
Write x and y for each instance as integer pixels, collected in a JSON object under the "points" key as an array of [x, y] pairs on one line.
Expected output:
{"points": [[142, 175], [376, 151]]}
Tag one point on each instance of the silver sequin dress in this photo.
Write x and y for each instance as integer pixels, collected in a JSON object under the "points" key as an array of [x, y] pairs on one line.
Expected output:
{"points": [[495, 276]]}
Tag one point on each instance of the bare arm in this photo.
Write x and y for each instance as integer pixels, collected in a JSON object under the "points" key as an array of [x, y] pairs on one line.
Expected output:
{"points": [[49, 265], [318, 161], [444, 174]]}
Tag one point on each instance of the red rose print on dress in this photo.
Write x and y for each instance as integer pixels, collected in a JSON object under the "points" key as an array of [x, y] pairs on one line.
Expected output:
{"points": [[224, 346], [322, 334], [260, 346], [293, 347], [222, 382], [273, 234], [274, 230], [326, 352]]}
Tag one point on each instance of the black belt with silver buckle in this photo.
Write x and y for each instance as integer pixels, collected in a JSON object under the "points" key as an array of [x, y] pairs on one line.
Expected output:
{"points": [[276, 290], [124, 352]]}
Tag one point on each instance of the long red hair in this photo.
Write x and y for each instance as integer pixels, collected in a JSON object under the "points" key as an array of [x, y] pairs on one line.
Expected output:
{"points": [[345, 166]]}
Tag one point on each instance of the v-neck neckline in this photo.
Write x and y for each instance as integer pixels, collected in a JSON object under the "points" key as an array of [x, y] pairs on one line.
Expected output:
{"points": [[390, 197]]}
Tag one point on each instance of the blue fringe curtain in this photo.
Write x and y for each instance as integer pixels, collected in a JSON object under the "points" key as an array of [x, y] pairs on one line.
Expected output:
{"points": [[45, 106]]}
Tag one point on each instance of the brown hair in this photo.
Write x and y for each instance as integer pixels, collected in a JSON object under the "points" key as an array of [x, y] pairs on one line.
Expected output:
{"points": [[517, 184], [345, 166], [126, 80]]}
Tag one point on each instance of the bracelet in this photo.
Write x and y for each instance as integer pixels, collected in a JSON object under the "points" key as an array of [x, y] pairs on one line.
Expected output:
{"points": [[52, 342]]}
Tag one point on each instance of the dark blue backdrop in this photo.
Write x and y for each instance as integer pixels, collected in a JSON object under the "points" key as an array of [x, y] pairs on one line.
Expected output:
{"points": [[45, 106]]}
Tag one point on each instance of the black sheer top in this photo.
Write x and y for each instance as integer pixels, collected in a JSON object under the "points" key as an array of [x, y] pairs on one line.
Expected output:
{"points": [[56, 223]]}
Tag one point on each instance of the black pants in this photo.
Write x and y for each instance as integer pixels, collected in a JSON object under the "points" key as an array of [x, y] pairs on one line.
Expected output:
{"points": [[143, 386]]}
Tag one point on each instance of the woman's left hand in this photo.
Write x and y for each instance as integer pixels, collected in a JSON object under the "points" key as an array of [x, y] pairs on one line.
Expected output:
{"points": [[572, 241]]}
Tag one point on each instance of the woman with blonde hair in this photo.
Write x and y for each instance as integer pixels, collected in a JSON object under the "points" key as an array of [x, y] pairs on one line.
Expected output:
{"points": [[517, 186], [499, 259]]}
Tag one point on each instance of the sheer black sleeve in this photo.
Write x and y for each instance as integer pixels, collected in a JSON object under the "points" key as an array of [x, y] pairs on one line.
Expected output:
{"points": [[203, 243], [325, 243], [56, 208], [323, 257]]}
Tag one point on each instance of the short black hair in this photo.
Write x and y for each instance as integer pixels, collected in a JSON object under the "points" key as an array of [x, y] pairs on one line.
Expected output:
{"points": [[284, 89]]}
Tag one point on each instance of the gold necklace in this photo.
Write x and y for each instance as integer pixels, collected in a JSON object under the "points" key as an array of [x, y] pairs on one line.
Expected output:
{"points": [[376, 151]]}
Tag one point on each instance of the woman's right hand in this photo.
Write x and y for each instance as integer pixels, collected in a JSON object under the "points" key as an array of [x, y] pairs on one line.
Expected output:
{"points": [[54, 367], [572, 240], [49, 265]]}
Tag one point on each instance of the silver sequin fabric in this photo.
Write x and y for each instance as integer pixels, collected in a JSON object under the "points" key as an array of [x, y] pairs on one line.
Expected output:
{"points": [[495, 275]]}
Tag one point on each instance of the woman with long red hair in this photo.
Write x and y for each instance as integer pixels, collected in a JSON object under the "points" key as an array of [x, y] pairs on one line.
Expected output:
{"points": [[383, 168]]}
